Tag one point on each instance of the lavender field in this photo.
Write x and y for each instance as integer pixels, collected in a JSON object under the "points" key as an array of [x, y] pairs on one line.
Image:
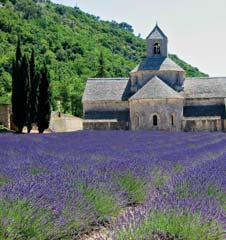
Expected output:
{"points": [[140, 185]]}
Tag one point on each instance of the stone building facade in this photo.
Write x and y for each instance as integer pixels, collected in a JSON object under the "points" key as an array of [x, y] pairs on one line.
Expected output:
{"points": [[156, 96], [5, 115]]}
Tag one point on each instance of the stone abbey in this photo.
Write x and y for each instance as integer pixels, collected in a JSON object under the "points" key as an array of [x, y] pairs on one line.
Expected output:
{"points": [[156, 96]]}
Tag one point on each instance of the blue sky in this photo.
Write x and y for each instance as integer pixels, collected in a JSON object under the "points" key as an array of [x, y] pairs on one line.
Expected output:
{"points": [[196, 28]]}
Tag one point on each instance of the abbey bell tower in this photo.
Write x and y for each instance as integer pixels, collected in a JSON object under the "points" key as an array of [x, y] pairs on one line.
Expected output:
{"points": [[157, 43]]}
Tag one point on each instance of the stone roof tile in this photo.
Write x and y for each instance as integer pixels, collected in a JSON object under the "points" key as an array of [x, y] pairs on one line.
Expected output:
{"points": [[157, 33], [106, 89], [156, 89], [157, 64], [205, 87]]}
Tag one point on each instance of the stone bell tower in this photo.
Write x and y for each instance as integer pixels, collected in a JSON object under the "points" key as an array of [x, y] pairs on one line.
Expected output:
{"points": [[157, 43]]}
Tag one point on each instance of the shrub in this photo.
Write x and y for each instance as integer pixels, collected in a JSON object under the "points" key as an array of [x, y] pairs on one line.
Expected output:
{"points": [[20, 220], [134, 187], [104, 203], [179, 226]]}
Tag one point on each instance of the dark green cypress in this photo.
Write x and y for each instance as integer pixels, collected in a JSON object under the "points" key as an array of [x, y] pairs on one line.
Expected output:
{"points": [[101, 68], [44, 97], [16, 86], [32, 107]]}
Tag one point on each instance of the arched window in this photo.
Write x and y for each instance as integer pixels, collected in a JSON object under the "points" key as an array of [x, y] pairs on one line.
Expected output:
{"points": [[172, 120], [157, 48], [155, 120], [137, 121]]}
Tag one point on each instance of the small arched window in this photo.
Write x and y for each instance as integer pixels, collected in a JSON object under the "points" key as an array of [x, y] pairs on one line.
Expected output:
{"points": [[137, 120], [157, 49], [172, 120], [155, 120]]}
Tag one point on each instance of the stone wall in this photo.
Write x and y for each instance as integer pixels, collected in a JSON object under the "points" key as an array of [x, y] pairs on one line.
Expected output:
{"points": [[106, 106], [169, 114], [172, 78], [65, 123], [105, 125], [203, 101], [203, 124], [5, 112]]}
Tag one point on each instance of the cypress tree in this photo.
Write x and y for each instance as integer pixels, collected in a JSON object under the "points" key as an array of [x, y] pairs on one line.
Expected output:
{"points": [[102, 68], [32, 107], [44, 109], [16, 87]]}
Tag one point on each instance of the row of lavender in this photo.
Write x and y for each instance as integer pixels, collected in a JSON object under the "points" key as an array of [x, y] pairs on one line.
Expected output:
{"points": [[72, 182]]}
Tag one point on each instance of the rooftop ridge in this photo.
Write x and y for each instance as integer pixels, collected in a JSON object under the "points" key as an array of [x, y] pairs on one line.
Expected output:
{"points": [[122, 78], [156, 89], [188, 78]]}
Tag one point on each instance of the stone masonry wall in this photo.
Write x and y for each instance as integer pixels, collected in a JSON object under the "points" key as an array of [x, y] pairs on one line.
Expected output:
{"points": [[105, 125], [202, 124], [106, 106], [139, 79], [142, 112], [5, 112], [203, 102]]}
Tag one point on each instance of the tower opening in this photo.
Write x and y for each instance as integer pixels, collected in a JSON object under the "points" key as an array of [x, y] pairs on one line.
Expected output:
{"points": [[157, 50]]}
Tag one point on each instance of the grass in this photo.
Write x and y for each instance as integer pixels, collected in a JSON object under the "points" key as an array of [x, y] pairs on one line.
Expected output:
{"points": [[37, 171], [179, 226], [3, 129], [183, 190], [220, 195], [104, 203], [20, 221], [135, 188], [3, 180], [160, 178]]}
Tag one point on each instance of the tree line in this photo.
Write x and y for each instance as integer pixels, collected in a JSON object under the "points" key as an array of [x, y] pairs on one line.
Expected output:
{"points": [[30, 93]]}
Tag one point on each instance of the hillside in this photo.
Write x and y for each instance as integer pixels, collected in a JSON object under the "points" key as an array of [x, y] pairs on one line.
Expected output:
{"points": [[70, 41]]}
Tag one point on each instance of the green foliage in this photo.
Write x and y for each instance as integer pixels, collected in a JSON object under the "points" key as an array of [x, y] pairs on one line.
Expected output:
{"points": [[101, 69], [179, 226], [20, 89], [183, 190], [44, 98], [160, 177], [3, 180], [36, 171], [105, 204], [178, 168], [219, 194], [70, 42], [33, 96], [135, 188], [19, 220]]}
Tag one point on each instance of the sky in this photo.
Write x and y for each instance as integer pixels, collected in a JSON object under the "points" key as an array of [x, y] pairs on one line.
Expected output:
{"points": [[196, 29]]}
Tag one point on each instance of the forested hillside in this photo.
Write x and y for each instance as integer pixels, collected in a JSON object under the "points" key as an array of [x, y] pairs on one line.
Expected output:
{"points": [[70, 41]]}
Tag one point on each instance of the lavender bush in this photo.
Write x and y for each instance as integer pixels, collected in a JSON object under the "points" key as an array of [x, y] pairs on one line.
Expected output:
{"points": [[60, 186]]}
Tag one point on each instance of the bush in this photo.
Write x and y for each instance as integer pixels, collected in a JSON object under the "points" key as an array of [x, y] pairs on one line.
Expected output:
{"points": [[178, 226], [135, 188], [20, 220]]}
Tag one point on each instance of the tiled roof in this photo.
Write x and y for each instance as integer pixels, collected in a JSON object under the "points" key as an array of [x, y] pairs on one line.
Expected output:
{"points": [[157, 63], [157, 33], [156, 89], [205, 87], [106, 89]]}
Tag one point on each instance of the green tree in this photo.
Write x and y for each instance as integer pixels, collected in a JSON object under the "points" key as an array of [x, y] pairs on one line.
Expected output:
{"points": [[34, 79], [102, 67], [44, 97], [20, 85]]}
